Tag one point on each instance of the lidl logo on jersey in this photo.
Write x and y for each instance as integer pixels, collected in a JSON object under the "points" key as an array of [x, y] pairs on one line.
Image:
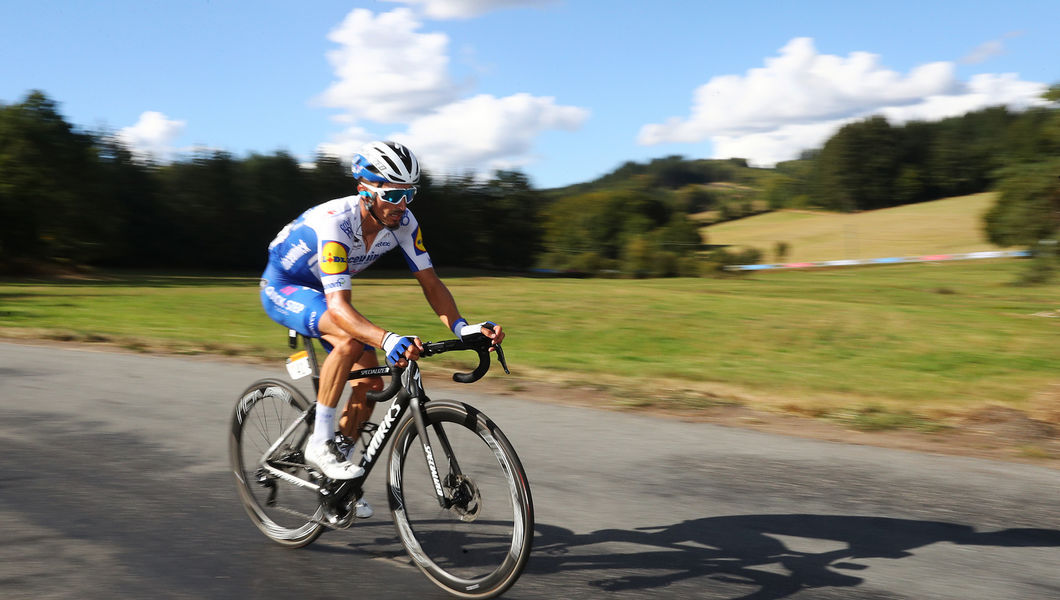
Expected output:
{"points": [[420, 248], [333, 258]]}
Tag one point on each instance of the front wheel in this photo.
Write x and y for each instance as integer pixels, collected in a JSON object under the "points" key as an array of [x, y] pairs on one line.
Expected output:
{"points": [[478, 545]]}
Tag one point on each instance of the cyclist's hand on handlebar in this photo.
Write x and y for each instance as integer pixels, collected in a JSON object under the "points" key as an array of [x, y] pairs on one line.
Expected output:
{"points": [[497, 335], [400, 349], [489, 329]]}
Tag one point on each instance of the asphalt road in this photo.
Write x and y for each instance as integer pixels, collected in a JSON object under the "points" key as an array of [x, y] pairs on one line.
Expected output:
{"points": [[114, 484]]}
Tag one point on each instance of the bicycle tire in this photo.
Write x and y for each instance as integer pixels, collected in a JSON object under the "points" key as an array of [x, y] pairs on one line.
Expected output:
{"points": [[263, 412], [469, 555]]}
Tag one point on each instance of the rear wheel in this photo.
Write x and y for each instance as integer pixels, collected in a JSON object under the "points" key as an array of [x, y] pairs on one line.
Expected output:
{"points": [[285, 512], [478, 545]]}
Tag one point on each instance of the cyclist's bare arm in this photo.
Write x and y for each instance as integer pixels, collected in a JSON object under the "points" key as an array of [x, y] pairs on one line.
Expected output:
{"points": [[438, 296], [441, 300]]}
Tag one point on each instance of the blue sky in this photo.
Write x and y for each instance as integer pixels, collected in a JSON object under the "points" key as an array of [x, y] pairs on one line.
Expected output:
{"points": [[565, 90]]}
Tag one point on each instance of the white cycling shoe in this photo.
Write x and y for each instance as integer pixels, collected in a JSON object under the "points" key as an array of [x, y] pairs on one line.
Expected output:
{"points": [[363, 510], [327, 459]]}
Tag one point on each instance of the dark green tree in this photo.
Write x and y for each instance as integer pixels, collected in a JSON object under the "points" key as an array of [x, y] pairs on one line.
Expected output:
{"points": [[511, 223], [204, 206], [272, 190], [605, 223], [48, 178], [130, 187], [857, 167], [1028, 208], [329, 178], [680, 235], [1027, 212]]}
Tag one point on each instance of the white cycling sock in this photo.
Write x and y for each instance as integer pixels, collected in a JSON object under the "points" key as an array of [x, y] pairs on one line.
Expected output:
{"points": [[324, 426]]}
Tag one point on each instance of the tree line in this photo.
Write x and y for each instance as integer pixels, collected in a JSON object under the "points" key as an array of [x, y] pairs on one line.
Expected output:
{"points": [[72, 198], [872, 164]]}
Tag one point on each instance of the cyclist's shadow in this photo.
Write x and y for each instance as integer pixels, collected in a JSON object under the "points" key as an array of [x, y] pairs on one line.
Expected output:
{"points": [[733, 549]]}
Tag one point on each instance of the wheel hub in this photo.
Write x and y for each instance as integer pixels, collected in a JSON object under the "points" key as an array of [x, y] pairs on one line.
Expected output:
{"points": [[467, 501]]}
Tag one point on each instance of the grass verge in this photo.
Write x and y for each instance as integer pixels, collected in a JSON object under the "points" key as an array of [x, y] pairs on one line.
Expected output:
{"points": [[906, 346]]}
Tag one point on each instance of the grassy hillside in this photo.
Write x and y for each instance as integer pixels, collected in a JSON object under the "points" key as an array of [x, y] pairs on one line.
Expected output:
{"points": [[672, 173], [944, 226]]}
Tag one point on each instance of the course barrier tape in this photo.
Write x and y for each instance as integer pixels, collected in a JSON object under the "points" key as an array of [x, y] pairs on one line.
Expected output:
{"points": [[881, 261]]}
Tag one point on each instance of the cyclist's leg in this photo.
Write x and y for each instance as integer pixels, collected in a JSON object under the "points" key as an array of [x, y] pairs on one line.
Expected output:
{"points": [[304, 309], [359, 408], [342, 358]]}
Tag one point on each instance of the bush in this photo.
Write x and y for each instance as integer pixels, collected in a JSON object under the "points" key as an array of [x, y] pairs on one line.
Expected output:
{"points": [[781, 251], [587, 262], [610, 268], [639, 254], [690, 266], [1043, 266], [665, 264], [722, 257]]}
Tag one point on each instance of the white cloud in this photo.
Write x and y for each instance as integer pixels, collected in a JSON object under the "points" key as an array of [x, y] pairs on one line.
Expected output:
{"points": [[401, 77], [478, 134], [465, 9], [989, 49], [485, 132], [347, 143], [388, 71], [982, 91], [783, 143], [984, 52], [800, 98], [152, 135]]}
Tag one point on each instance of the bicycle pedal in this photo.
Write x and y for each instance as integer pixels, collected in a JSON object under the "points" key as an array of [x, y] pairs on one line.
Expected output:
{"points": [[337, 521]]}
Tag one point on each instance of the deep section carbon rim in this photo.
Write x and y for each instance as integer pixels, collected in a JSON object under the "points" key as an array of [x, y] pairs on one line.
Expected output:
{"points": [[284, 512], [478, 547]]}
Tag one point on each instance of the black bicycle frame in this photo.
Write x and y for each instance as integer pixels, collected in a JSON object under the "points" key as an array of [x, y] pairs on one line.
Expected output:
{"points": [[406, 389]]}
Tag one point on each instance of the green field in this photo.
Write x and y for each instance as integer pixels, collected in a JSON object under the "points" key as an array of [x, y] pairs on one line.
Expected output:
{"points": [[930, 340], [952, 225]]}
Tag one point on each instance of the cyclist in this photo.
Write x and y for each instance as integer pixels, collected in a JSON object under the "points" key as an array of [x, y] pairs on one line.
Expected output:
{"points": [[307, 287]]}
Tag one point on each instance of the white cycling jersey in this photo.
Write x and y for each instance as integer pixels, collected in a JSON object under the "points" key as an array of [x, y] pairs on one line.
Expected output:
{"points": [[323, 248]]}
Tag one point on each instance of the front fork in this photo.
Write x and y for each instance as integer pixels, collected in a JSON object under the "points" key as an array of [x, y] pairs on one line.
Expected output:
{"points": [[417, 405]]}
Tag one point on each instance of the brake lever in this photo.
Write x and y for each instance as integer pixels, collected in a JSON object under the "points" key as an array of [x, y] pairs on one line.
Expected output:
{"points": [[500, 357], [500, 353]]}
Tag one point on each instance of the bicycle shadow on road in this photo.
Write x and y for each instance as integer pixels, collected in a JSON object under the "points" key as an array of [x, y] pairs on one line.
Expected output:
{"points": [[745, 550]]}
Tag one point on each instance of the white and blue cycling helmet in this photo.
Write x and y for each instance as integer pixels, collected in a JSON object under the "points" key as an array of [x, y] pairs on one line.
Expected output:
{"points": [[386, 162]]}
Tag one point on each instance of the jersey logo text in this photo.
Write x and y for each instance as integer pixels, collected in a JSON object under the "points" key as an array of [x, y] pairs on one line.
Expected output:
{"points": [[296, 252], [333, 257]]}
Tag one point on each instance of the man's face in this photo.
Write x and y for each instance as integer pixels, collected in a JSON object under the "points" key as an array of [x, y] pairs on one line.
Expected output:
{"points": [[389, 212]]}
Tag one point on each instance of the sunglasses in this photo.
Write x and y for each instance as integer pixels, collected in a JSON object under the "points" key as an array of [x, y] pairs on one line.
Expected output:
{"points": [[393, 196]]}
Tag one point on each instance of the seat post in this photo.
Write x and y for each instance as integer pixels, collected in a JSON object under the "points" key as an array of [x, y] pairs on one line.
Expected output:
{"points": [[292, 341], [311, 352]]}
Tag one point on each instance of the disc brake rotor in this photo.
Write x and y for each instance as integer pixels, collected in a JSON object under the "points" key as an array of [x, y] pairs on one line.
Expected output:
{"points": [[467, 501]]}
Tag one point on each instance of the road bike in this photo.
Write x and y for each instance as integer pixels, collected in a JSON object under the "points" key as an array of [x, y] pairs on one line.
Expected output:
{"points": [[458, 494]]}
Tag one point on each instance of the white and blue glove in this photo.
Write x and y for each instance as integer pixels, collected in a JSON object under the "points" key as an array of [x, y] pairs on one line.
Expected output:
{"points": [[395, 345], [461, 328]]}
